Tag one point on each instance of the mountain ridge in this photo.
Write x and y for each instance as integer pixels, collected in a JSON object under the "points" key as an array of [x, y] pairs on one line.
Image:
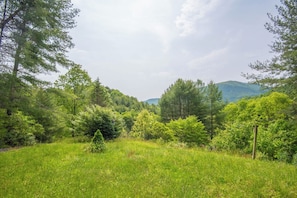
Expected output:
{"points": [[231, 91]]}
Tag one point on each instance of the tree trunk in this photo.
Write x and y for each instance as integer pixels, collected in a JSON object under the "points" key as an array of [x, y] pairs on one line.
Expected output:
{"points": [[2, 22], [14, 76]]}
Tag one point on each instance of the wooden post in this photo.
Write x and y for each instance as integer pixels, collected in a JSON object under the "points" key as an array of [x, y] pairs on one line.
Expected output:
{"points": [[255, 142]]}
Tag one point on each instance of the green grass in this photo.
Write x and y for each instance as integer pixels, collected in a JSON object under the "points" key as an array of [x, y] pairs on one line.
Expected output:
{"points": [[132, 168]]}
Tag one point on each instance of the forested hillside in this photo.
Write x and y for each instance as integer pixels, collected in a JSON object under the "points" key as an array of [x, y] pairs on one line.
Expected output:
{"points": [[231, 91], [234, 90]]}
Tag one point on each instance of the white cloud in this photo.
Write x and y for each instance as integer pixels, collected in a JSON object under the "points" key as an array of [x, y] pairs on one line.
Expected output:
{"points": [[194, 11], [134, 17], [142, 46]]}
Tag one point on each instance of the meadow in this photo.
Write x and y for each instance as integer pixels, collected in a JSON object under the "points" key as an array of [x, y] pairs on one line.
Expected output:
{"points": [[131, 168]]}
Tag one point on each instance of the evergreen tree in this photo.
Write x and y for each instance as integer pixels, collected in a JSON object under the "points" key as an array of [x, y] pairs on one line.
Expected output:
{"points": [[35, 42], [99, 94], [281, 71], [214, 103], [97, 145], [182, 99]]}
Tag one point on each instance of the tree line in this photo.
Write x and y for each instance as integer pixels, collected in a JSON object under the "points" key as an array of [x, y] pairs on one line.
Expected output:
{"points": [[34, 40]]}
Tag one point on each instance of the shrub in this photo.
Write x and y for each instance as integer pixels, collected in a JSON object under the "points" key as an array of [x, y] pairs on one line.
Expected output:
{"points": [[97, 144], [236, 136], [142, 127], [148, 127], [189, 130], [96, 117], [21, 130], [161, 131], [129, 118]]}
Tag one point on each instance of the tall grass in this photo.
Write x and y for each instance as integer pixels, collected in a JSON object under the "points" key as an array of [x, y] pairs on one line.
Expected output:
{"points": [[132, 168]]}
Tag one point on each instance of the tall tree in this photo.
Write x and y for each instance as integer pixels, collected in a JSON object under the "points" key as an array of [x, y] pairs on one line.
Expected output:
{"points": [[75, 85], [36, 41], [182, 99], [214, 103], [9, 10], [99, 94], [281, 70]]}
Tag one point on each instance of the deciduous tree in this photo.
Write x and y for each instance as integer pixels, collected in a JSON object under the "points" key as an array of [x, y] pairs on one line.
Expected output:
{"points": [[75, 86]]}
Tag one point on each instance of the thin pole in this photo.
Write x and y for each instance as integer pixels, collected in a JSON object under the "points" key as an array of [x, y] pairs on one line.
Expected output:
{"points": [[255, 142]]}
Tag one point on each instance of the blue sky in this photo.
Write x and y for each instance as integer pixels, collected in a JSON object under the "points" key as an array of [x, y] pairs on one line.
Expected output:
{"points": [[141, 47]]}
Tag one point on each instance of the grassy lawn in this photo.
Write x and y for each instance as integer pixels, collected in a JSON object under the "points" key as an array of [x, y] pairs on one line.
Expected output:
{"points": [[131, 168]]}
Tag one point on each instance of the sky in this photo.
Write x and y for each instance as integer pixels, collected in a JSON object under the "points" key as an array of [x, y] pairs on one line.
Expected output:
{"points": [[141, 47]]}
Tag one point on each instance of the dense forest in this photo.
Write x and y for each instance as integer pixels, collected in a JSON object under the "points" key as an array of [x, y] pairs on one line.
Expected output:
{"points": [[34, 40]]}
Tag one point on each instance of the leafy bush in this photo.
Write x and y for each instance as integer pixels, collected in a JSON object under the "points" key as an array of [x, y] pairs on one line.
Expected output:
{"points": [[279, 140], [95, 117], [148, 127], [129, 118], [22, 130], [277, 128], [3, 119], [161, 131], [237, 136], [189, 130], [142, 127], [97, 144]]}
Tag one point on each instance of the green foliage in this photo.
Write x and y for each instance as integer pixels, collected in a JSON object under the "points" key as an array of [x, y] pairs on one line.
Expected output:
{"points": [[189, 130], [3, 121], [129, 118], [21, 130], [162, 132], [97, 145], [43, 109], [148, 127], [277, 129], [142, 127], [214, 105], [123, 103], [280, 71], [35, 41], [235, 137], [232, 91], [95, 117], [74, 86], [182, 99], [99, 94], [279, 140]]}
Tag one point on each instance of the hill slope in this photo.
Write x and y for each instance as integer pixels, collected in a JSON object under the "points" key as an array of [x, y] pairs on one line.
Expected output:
{"points": [[231, 90], [234, 90], [152, 101]]}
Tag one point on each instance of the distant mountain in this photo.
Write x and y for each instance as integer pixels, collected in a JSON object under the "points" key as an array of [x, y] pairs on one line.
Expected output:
{"points": [[231, 90], [234, 90], [153, 101]]}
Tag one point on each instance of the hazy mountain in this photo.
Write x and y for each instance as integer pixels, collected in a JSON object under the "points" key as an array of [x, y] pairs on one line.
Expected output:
{"points": [[231, 90], [152, 101]]}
